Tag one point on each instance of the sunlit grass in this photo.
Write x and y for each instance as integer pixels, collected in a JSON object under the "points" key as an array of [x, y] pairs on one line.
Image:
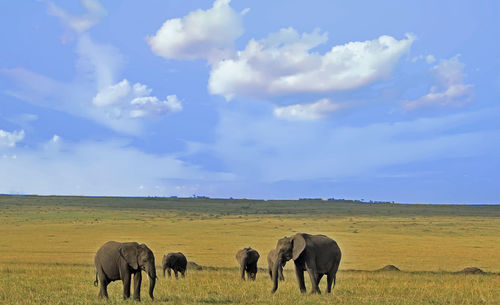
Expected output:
{"points": [[48, 245], [67, 284]]}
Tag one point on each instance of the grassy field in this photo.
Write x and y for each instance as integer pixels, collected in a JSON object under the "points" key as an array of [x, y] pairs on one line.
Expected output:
{"points": [[48, 244]]}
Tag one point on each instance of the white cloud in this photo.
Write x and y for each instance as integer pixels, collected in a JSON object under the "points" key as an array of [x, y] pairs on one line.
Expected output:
{"points": [[9, 139], [307, 112], [123, 100], [451, 89], [112, 94], [207, 34], [284, 63], [94, 13], [117, 93], [150, 105]]}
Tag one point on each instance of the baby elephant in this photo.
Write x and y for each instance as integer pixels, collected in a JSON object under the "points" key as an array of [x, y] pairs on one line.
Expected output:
{"points": [[175, 261], [248, 257], [271, 258]]}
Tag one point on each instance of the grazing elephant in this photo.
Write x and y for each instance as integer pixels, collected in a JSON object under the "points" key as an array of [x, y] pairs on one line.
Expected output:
{"points": [[271, 258], [118, 261], [318, 254], [248, 257], [175, 261]]}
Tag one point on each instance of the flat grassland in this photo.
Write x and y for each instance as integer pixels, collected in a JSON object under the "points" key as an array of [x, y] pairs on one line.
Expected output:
{"points": [[47, 247]]}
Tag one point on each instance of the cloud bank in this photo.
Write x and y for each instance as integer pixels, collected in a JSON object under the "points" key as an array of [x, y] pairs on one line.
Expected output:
{"points": [[99, 168], [284, 63]]}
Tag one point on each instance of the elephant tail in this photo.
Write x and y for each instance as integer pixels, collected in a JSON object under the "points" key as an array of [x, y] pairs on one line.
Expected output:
{"points": [[96, 282]]}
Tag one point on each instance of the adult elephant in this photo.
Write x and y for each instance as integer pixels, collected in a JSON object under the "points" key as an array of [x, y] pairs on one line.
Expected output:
{"points": [[118, 261], [247, 258], [318, 254], [174, 261], [271, 258]]}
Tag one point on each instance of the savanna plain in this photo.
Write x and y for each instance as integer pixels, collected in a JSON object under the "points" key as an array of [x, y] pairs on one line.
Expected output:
{"points": [[47, 247]]}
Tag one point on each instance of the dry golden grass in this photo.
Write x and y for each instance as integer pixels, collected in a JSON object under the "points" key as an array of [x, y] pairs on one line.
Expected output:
{"points": [[48, 244]]}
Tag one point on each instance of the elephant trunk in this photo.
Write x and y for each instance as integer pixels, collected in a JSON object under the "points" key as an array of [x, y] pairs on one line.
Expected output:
{"points": [[152, 281], [276, 265]]}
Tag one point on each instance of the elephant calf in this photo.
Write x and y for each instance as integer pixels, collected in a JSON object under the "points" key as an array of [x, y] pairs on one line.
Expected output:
{"points": [[174, 261], [247, 258], [118, 261], [271, 258]]}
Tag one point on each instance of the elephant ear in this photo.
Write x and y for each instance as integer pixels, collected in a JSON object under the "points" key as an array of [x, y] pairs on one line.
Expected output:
{"points": [[129, 252], [299, 244]]}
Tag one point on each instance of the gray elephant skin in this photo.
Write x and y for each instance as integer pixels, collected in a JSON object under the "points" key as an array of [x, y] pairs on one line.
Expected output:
{"points": [[271, 258], [118, 261], [174, 261], [316, 254], [247, 258]]}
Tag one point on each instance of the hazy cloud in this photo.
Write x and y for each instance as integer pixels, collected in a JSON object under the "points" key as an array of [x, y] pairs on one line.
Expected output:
{"points": [[99, 168], [451, 89], [299, 152], [94, 13], [94, 93]]}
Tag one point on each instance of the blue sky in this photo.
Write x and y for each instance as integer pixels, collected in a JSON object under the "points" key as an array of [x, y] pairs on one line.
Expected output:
{"points": [[388, 100]]}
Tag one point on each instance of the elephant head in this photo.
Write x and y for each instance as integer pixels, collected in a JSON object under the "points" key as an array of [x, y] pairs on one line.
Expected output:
{"points": [[287, 248], [141, 257]]}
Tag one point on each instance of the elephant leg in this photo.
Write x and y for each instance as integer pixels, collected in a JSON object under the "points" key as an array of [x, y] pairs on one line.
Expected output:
{"points": [[183, 273], [168, 272], [280, 273], [299, 272], [126, 286], [329, 279], [332, 277], [271, 273], [242, 272], [103, 288], [137, 285], [176, 275], [313, 275]]}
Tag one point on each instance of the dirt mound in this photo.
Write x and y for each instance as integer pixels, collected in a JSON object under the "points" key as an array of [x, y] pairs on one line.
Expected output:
{"points": [[472, 270], [389, 268], [193, 265]]}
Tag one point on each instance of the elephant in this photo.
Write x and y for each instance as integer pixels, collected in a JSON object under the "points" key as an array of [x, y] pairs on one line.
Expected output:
{"points": [[271, 258], [318, 254], [248, 257], [175, 261], [118, 261]]}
